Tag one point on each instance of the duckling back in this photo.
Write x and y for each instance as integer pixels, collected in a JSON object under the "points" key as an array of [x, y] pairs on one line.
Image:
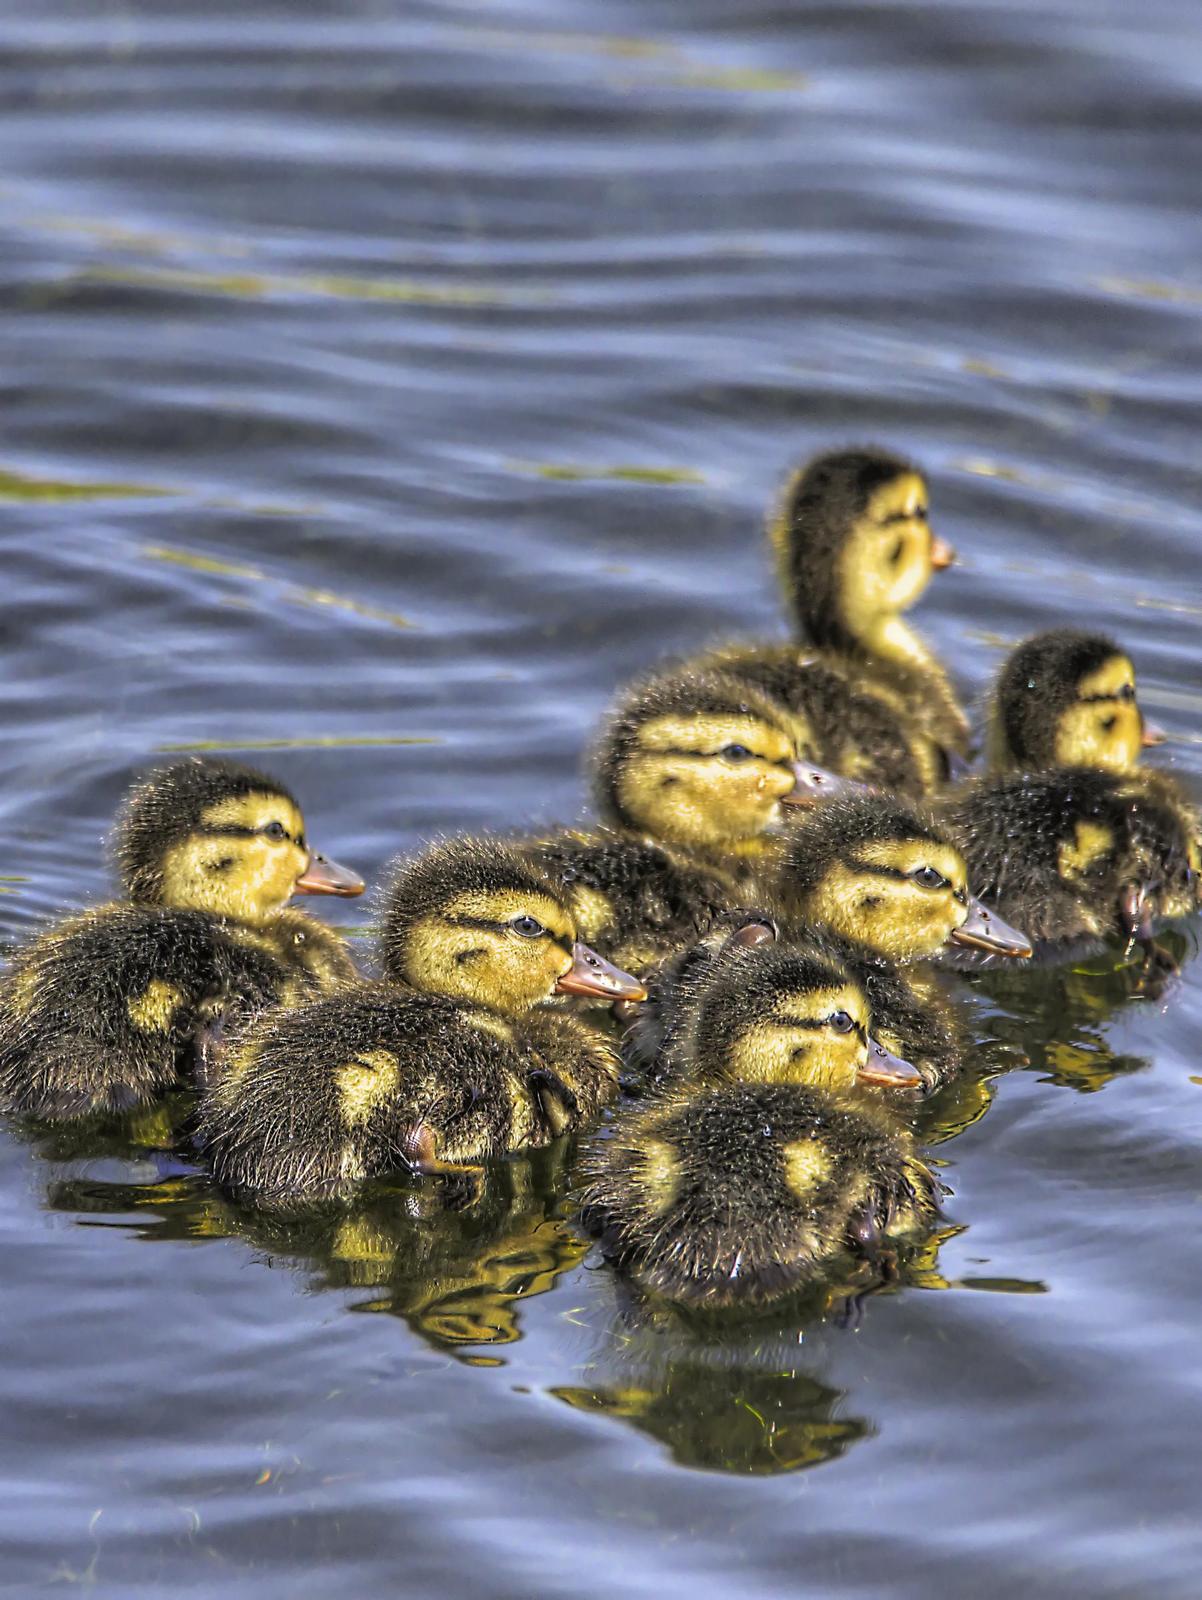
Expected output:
{"points": [[102, 1013], [739, 1194]]}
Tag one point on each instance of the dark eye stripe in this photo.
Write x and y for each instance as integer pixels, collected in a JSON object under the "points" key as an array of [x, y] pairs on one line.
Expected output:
{"points": [[816, 1024], [235, 830], [712, 755], [488, 925], [1125, 694]]}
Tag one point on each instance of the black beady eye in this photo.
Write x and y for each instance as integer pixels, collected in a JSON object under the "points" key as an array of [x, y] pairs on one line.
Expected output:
{"points": [[276, 830], [840, 1021], [928, 878], [735, 752], [529, 927]]}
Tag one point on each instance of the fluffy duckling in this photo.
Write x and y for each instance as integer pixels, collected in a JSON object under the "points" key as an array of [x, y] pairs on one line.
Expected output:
{"points": [[854, 551], [104, 1012], [1065, 699], [455, 1058], [692, 774], [738, 1186], [1067, 834], [885, 886]]}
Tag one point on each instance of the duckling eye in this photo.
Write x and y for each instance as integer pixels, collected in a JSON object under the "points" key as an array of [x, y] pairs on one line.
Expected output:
{"points": [[920, 513], [529, 927], [1127, 692], [275, 830], [895, 554], [735, 752], [928, 878], [840, 1021]]}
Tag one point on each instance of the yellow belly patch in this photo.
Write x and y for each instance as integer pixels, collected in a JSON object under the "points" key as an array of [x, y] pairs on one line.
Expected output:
{"points": [[807, 1164], [363, 1084], [1091, 841], [152, 1011], [659, 1173]]}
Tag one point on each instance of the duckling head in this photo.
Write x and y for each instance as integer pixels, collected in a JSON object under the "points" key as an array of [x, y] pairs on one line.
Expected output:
{"points": [[703, 760], [887, 875], [475, 920], [1067, 699], [215, 836], [853, 544], [783, 1014]]}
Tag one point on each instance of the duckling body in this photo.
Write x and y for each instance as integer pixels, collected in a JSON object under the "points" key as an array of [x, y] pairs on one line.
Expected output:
{"points": [[452, 1060], [1067, 834], [109, 1009], [1079, 855], [737, 1185], [693, 773], [854, 551]]}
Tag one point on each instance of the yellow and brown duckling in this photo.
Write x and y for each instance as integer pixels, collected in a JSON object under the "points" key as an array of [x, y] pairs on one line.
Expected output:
{"points": [[854, 551], [692, 775], [739, 1185], [1070, 837], [884, 886], [105, 1011], [455, 1058]]}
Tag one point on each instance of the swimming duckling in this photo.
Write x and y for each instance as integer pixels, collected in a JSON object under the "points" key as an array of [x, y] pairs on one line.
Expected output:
{"points": [[455, 1058], [854, 551], [692, 773], [104, 1012], [1067, 698], [884, 886], [1067, 834], [738, 1186]]}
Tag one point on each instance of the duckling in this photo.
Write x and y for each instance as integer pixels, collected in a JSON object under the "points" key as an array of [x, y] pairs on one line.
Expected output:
{"points": [[1067, 834], [104, 1012], [1066, 698], [738, 1186], [884, 886], [692, 773], [854, 551], [451, 1060]]}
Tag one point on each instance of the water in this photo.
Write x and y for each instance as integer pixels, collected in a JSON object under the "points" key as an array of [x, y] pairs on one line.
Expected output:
{"points": [[381, 385]]}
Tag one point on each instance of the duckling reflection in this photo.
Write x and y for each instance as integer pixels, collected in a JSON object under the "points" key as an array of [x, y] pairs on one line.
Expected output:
{"points": [[855, 551], [457, 1276], [732, 1419]]}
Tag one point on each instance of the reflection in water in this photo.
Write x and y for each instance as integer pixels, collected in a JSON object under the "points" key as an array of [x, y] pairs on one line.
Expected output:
{"points": [[456, 1276]]}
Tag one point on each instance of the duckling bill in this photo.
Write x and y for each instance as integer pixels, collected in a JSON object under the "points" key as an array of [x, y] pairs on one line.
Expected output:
{"points": [[104, 1012]]}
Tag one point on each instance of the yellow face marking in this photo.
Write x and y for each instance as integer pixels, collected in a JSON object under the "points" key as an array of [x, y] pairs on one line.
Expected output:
{"points": [[1100, 728], [783, 1048], [657, 1170], [892, 915], [886, 562], [678, 785], [1091, 843], [469, 950], [364, 1084], [808, 1165], [153, 1010], [247, 877]]}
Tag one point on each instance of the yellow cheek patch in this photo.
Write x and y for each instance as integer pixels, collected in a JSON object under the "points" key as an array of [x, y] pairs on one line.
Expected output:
{"points": [[366, 1083], [1091, 843], [808, 1164], [153, 1010], [658, 1170]]}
